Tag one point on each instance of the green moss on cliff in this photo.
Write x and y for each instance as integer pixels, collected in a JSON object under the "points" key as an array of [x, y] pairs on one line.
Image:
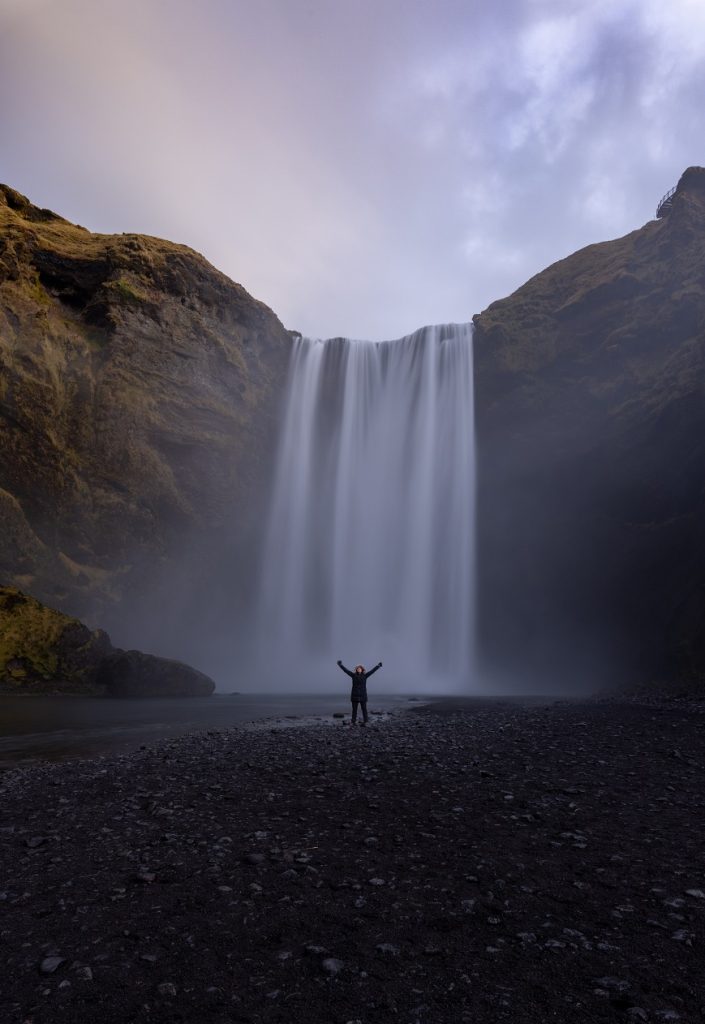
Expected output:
{"points": [[128, 291], [39, 645]]}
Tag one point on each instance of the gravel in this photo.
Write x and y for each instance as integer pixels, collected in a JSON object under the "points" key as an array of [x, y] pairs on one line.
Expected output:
{"points": [[477, 861]]}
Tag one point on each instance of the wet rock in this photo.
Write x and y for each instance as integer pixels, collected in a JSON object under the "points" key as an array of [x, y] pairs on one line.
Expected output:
{"points": [[332, 966], [51, 963], [254, 858]]}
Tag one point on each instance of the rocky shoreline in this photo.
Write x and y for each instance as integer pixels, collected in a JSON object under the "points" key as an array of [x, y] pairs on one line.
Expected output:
{"points": [[465, 861]]}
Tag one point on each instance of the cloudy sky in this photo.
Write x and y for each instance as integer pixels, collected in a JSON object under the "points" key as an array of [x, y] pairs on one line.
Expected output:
{"points": [[362, 166]]}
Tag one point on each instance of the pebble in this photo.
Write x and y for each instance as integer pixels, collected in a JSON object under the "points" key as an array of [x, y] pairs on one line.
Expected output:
{"points": [[387, 948], [253, 858], [51, 963], [332, 966]]}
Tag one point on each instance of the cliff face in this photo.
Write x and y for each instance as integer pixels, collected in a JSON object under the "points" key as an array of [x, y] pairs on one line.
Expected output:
{"points": [[590, 397], [138, 392]]}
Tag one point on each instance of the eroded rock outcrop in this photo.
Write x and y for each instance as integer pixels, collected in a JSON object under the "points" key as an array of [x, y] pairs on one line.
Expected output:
{"points": [[590, 390], [45, 651], [134, 674], [138, 391], [42, 650]]}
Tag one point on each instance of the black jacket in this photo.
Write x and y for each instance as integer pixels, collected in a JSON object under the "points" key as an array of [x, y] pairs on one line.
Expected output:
{"points": [[359, 681]]}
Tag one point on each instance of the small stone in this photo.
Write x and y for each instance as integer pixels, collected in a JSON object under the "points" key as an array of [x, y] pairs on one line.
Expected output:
{"points": [[50, 963], [636, 1013], [84, 972], [166, 988], [332, 966], [35, 841], [613, 984], [387, 948], [377, 881], [697, 893]]}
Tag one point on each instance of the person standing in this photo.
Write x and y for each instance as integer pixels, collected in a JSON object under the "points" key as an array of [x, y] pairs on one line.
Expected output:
{"points": [[358, 693]]}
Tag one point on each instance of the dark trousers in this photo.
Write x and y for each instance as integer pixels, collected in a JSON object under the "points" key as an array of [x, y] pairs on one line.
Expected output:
{"points": [[363, 705]]}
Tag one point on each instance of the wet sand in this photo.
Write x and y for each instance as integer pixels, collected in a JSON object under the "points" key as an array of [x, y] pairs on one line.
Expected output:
{"points": [[466, 861]]}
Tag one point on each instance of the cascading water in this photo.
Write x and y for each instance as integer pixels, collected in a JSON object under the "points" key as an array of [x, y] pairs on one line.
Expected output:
{"points": [[370, 545]]}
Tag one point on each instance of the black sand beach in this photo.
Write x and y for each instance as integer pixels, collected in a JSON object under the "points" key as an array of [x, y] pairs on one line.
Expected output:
{"points": [[468, 861]]}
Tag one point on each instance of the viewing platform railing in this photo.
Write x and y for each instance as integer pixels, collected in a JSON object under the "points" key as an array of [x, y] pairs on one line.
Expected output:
{"points": [[664, 207]]}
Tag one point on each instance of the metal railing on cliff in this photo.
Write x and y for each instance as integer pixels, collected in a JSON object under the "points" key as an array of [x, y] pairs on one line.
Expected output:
{"points": [[664, 207]]}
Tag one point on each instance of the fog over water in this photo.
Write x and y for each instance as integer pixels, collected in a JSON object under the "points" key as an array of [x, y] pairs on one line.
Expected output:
{"points": [[369, 550]]}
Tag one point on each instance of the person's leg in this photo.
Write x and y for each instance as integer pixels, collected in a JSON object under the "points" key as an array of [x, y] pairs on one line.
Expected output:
{"points": [[354, 710], [363, 705]]}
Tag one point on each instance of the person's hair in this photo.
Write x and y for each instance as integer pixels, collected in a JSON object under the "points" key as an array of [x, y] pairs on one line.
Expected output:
{"points": [[361, 667]]}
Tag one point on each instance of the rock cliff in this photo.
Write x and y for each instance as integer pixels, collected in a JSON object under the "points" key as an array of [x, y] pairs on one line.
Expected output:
{"points": [[590, 393], [138, 391]]}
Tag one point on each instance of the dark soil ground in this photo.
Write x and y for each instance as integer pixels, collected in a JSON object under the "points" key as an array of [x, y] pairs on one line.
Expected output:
{"points": [[470, 862]]}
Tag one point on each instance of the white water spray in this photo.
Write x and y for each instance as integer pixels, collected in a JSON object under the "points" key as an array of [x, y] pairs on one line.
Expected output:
{"points": [[370, 544]]}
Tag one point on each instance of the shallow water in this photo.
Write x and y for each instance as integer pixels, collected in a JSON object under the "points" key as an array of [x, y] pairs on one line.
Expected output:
{"points": [[58, 728]]}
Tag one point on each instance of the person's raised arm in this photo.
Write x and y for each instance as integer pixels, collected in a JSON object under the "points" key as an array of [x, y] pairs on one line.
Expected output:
{"points": [[373, 670], [346, 670]]}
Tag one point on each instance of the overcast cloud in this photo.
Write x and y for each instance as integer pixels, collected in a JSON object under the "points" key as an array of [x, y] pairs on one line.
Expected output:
{"points": [[362, 166]]}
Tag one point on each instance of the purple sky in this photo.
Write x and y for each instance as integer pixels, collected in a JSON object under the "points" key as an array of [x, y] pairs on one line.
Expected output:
{"points": [[362, 166]]}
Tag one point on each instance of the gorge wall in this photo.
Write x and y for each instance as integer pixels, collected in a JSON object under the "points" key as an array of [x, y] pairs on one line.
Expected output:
{"points": [[139, 393], [590, 406]]}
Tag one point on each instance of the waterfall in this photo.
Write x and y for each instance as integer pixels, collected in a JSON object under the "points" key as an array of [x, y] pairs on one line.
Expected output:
{"points": [[369, 551]]}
